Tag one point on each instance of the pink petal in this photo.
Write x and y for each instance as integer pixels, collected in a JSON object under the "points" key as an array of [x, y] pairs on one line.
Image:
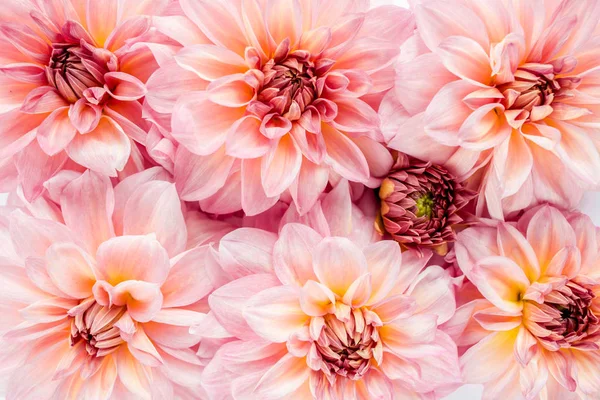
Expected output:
{"points": [[548, 232], [139, 258], [433, 291], [70, 269], [35, 168], [106, 149], [87, 206], [338, 263], [210, 62], [188, 281], [101, 19], [344, 156], [31, 237], [17, 131], [514, 245], [275, 313], [284, 378], [201, 125], [465, 58], [254, 198], [199, 177], [501, 281], [438, 20], [218, 21], [245, 139], [310, 183], [292, 254], [156, 208], [143, 299], [316, 299], [231, 91], [228, 302], [247, 251], [56, 132], [383, 259], [354, 115], [124, 87], [84, 116], [280, 167], [489, 358], [494, 319], [44, 99]]}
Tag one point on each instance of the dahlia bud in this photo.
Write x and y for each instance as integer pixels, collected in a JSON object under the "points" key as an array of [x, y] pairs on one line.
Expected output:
{"points": [[420, 204]]}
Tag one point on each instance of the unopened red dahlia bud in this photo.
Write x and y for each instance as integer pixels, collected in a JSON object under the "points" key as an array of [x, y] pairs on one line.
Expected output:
{"points": [[421, 204]]}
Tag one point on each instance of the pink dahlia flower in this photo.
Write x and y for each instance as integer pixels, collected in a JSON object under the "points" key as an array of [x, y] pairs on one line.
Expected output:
{"points": [[421, 204], [533, 331], [505, 93], [99, 306], [305, 316], [278, 96], [72, 75]]}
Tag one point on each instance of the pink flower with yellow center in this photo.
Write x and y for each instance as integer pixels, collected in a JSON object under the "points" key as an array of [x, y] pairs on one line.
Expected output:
{"points": [[98, 304], [534, 329], [307, 316], [504, 93], [277, 97], [72, 76]]}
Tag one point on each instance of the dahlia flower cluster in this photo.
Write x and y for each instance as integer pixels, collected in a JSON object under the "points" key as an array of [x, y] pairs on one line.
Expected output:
{"points": [[298, 199]]}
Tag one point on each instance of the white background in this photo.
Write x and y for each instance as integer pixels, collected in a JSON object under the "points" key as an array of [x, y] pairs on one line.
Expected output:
{"points": [[589, 205]]}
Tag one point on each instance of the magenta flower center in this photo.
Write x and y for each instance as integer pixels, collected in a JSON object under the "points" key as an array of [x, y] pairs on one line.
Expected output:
{"points": [[346, 348], [570, 321], [96, 327]]}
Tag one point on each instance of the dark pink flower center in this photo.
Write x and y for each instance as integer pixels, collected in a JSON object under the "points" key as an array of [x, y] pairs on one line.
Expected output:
{"points": [[96, 327], [75, 65], [570, 321], [347, 347]]}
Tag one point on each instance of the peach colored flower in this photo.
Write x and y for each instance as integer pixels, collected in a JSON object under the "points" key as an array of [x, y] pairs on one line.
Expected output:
{"points": [[533, 331], [72, 75], [308, 316], [504, 92], [278, 96], [99, 306]]}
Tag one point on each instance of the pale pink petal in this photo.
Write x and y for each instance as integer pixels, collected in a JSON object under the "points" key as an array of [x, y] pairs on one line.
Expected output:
{"points": [[247, 251], [56, 132], [106, 149], [438, 20], [283, 379], [433, 292], [254, 198], [283, 19], [35, 168], [494, 319], [465, 58], [70, 269], [275, 313], [489, 358], [308, 186], [101, 19], [156, 208], [199, 177], [201, 125], [228, 302], [140, 258], [124, 87], [383, 260], [501, 281], [87, 206], [344, 156], [338, 263], [245, 140], [17, 131], [143, 299], [84, 116], [548, 232], [292, 254], [188, 280], [218, 21], [316, 299], [280, 166]]}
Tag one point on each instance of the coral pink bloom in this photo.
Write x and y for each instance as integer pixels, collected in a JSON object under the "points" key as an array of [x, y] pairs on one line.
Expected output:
{"points": [[100, 306], [535, 332], [72, 76], [505, 92], [278, 95], [309, 316]]}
